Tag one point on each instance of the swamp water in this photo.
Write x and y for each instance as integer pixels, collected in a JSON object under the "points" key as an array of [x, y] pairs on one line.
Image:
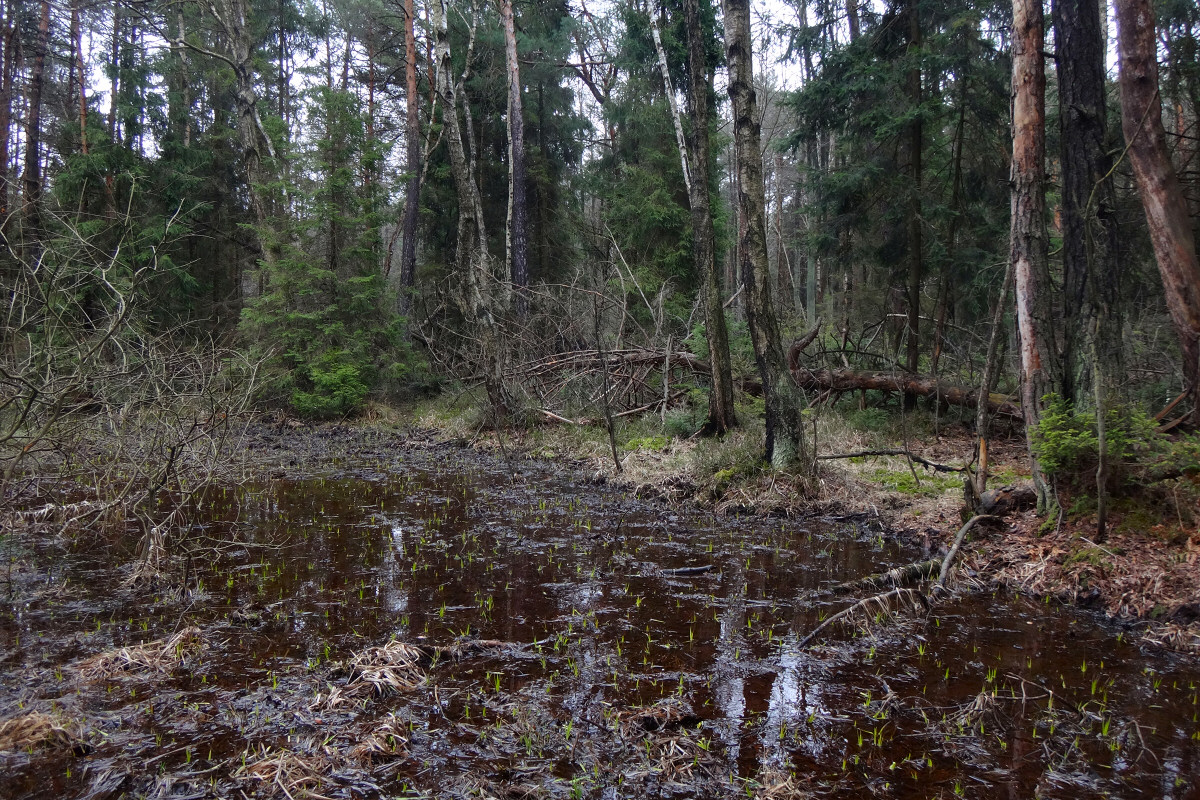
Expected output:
{"points": [[438, 623]]}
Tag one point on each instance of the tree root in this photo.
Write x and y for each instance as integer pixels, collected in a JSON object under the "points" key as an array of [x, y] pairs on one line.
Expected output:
{"points": [[879, 602]]}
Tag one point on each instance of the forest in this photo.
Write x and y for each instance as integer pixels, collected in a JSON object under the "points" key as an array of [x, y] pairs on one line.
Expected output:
{"points": [[926, 268]]}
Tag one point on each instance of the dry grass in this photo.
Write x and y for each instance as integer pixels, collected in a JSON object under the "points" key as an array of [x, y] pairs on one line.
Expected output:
{"points": [[388, 739], [285, 773], [160, 655], [775, 783], [379, 671], [35, 730]]}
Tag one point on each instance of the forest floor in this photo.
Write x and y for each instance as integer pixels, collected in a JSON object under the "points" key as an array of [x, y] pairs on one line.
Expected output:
{"points": [[1146, 570]]}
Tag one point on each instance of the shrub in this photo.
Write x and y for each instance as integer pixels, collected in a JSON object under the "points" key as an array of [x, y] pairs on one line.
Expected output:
{"points": [[1066, 442]]}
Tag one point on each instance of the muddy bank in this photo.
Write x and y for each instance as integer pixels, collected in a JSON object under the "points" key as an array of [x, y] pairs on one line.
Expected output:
{"points": [[387, 616]]}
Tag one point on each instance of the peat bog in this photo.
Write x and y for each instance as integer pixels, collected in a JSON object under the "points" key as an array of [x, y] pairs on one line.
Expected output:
{"points": [[404, 620]]}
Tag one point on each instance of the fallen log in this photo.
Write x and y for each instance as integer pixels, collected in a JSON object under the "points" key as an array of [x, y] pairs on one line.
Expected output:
{"points": [[900, 576], [848, 380]]}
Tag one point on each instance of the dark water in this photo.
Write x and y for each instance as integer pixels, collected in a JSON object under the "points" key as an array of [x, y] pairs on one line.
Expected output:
{"points": [[617, 676]]}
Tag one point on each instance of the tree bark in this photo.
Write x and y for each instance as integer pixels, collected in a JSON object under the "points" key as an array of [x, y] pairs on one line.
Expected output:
{"points": [[1162, 196], [1091, 285], [721, 416], [916, 136], [785, 444], [32, 176], [9, 67], [1028, 225], [412, 162], [517, 234]]}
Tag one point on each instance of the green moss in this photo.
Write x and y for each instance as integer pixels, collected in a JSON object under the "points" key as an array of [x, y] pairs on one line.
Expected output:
{"points": [[902, 481], [656, 442]]}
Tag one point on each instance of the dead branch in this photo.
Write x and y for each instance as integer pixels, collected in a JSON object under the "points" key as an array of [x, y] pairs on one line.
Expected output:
{"points": [[907, 454], [948, 563]]}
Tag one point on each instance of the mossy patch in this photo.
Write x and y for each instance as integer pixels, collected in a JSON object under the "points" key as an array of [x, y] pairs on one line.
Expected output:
{"points": [[925, 485]]}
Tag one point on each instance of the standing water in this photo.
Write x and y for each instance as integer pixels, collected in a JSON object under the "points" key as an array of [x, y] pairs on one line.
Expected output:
{"points": [[438, 623]]}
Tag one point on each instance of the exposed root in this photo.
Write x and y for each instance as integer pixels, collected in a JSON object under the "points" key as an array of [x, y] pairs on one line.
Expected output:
{"points": [[34, 731], [870, 606], [160, 655]]}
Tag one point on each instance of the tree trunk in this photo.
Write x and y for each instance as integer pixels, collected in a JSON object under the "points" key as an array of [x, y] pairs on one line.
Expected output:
{"points": [[785, 445], [412, 140], [9, 66], [472, 261], [916, 135], [669, 91], [1091, 284], [32, 178], [782, 265], [837, 381], [1028, 224], [1162, 196], [517, 234], [721, 415]]}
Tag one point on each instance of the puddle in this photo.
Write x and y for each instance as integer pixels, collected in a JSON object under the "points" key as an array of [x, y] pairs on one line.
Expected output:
{"points": [[565, 641]]}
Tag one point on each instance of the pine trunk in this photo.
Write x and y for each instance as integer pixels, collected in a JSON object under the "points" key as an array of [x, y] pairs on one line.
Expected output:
{"points": [[916, 136], [412, 142], [1162, 196], [1028, 225], [785, 445], [32, 177], [1091, 284]]}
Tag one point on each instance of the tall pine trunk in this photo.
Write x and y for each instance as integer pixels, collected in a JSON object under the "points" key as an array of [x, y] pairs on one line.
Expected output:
{"points": [[1028, 225], [1091, 285], [412, 147], [916, 136], [785, 444], [721, 415], [8, 66], [32, 176], [1162, 196]]}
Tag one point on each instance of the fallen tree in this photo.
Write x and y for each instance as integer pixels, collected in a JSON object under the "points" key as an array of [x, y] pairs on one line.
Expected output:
{"points": [[836, 381]]}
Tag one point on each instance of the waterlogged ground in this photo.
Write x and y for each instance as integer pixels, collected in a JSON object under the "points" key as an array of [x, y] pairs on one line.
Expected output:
{"points": [[389, 621]]}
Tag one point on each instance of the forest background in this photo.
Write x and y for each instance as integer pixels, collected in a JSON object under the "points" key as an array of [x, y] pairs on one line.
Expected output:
{"points": [[598, 212]]}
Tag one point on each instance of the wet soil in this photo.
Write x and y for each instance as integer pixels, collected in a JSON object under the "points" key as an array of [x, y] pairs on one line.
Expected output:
{"points": [[382, 616]]}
